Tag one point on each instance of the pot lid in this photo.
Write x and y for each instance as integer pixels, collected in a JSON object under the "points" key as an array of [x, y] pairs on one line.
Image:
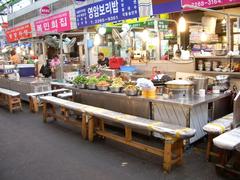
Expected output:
{"points": [[179, 82]]}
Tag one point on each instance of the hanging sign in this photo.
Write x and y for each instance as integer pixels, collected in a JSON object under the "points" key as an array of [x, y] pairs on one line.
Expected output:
{"points": [[166, 6], [106, 11], [45, 10], [18, 33], [209, 3], [57, 23], [4, 25]]}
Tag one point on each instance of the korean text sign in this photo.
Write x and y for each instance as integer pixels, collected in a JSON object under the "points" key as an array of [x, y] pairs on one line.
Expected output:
{"points": [[209, 3], [56, 23], [166, 6], [20, 32], [106, 11]]}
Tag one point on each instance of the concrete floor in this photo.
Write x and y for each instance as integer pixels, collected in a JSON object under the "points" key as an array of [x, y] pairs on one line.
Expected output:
{"points": [[32, 150]]}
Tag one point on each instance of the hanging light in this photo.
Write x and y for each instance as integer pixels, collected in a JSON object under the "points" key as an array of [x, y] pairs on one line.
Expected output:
{"points": [[102, 30], [18, 50], [125, 27], [182, 24], [224, 21], [97, 40]]}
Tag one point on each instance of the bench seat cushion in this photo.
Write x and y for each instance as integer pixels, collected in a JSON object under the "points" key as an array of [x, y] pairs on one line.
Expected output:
{"points": [[65, 95], [9, 92], [220, 125], [228, 140], [47, 92], [143, 123], [65, 103]]}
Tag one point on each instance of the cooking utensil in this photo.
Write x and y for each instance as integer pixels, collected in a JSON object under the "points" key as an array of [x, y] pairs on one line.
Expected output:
{"points": [[200, 82]]}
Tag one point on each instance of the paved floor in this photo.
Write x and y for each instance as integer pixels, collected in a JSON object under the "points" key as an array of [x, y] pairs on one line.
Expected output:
{"points": [[32, 150]]}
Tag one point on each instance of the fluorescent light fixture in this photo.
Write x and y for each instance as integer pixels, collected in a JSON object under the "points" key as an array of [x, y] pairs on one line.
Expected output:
{"points": [[182, 24]]}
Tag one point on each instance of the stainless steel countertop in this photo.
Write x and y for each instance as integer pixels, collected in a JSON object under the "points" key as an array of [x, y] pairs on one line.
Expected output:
{"points": [[193, 101]]}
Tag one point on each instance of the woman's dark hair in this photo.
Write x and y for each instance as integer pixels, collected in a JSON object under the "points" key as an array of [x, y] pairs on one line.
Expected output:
{"points": [[13, 52], [100, 54]]}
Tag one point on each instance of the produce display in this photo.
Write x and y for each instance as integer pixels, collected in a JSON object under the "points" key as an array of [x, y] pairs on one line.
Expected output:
{"points": [[80, 80], [92, 80], [131, 90], [103, 83], [103, 78], [117, 83]]}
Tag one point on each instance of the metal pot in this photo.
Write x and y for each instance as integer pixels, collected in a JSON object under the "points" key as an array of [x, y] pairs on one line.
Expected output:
{"points": [[81, 86], [92, 86], [200, 82], [116, 89], [180, 88], [179, 84], [102, 88]]}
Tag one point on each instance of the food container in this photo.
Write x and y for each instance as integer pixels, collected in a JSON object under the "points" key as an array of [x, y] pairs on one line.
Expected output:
{"points": [[92, 86], [102, 88], [115, 89], [149, 93], [200, 82], [208, 66], [221, 52], [81, 86], [131, 92], [200, 65]]}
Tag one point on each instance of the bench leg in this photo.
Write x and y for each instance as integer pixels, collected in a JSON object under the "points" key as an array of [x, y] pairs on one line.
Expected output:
{"points": [[45, 112], [209, 146], [65, 113], [10, 104], [91, 129], [84, 126], [128, 134], [179, 151], [167, 155], [34, 104]]}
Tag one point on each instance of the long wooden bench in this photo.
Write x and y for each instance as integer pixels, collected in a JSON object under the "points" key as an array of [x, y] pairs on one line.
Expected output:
{"points": [[229, 143], [12, 98], [222, 125], [34, 101], [93, 118]]}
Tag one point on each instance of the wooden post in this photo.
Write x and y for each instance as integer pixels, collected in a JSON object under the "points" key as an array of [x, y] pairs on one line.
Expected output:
{"points": [[91, 129], [53, 111], [101, 125], [167, 155], [128, 134], [84, 126], [180, 151], [209, 146], [10, 105], [44, 112], [35, 104]]}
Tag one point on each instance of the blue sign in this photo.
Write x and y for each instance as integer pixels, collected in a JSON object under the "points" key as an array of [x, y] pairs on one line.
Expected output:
{"points": [[106, 11], [166, 6]]}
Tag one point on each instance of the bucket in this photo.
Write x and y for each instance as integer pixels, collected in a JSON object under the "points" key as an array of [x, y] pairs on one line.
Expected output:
{"points": [[149, 93]]}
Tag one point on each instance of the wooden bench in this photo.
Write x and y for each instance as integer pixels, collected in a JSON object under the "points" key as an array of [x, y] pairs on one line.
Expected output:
{"points": [[214, 129], [93, 119], [222, 125], [174, 136], [66, 95], [49, 111], [34, 101], [12, 98], [229, 143]]}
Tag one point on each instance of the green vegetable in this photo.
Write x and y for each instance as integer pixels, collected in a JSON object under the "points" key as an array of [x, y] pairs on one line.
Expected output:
{"points": [[80, 80], [92, 80], [104, 77]]}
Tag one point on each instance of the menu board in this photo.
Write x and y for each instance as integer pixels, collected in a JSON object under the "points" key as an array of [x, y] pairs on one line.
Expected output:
{"points": [[106, 11], [19, 32]]}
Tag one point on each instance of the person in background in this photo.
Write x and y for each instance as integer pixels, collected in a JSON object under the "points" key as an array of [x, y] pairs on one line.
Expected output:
{"points": [[55, 63], [102, 60], [46, 69], [14, 58]]}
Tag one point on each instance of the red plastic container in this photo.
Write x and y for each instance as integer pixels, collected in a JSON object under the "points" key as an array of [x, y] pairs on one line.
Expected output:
{"points": [[115, 62]]}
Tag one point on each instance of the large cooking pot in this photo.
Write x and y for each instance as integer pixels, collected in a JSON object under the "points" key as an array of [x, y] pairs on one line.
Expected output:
{"points": [[200, 82], [180, 88], [179, 84]]}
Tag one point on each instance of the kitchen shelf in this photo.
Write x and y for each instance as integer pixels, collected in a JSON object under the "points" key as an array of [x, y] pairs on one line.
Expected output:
{"points": [[218, 73]]}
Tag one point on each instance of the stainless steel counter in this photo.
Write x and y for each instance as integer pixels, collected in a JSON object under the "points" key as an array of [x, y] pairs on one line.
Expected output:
{"points": [[193, 101], [192, 112]]}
